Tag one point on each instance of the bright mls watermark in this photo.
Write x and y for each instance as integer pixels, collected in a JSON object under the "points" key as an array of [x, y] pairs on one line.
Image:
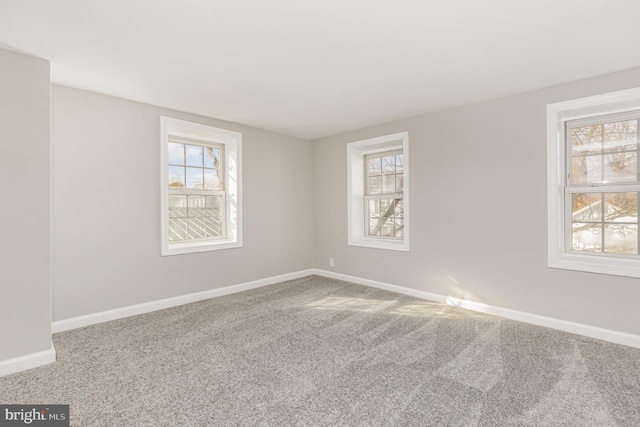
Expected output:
{"points": [[34, 415]]}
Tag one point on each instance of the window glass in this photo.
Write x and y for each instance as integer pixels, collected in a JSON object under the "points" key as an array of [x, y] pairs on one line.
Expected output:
{"points": [[384, 196], [604, 157]]}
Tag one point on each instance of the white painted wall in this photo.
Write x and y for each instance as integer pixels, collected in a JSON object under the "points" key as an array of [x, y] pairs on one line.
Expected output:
{"points": [[478, 206], [106, 208], [25, 299]]}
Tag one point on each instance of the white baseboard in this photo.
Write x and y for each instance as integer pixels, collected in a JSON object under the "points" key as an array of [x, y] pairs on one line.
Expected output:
{"points": [[28, 361], [134, 310], [549, 322]]}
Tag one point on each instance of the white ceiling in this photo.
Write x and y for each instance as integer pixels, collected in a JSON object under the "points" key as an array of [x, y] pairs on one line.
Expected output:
{"points": [[314, 68]]}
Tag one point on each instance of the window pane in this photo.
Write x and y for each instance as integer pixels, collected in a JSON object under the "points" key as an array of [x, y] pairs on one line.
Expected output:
{"points": [[196, 228], [374, 208], [177, 229], [389, 223], [177, 206], [587, 237], [194, 155], [194, 178], [586, 140], [211, 179], [388, 164], [373, 227], [196, 206], [399, 208], [586, 207], [214, 226], [399, 228], [388, 183], [621, 207], [213, 203], [176, 177], [374, 166], [176, 153], [621, 167], [399, 163], [385, 207], [587, 169], [388, 208], [621, 238], [399, 183], [212, 157], [381, 227], [374, 184], [387, 229], [619, 136]]}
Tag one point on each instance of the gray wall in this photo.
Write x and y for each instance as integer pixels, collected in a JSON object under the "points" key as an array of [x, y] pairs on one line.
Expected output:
{"points": [[106, 208], [25, 298], [478, 209]]}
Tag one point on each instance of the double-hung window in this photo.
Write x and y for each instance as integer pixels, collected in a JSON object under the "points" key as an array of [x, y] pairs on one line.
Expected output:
{"points": [[196, 191], [602, 184], [200, 187], [384, 196], [378, 192], [594, 184]]}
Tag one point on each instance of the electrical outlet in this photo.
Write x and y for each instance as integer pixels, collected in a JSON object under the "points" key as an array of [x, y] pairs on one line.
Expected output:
{"points": [[331, 264]]}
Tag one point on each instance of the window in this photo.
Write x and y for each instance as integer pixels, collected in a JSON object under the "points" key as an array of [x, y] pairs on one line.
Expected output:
{"points": [[383, 195], [200, 187], [594, 184], [378, 187], [196, 191]]}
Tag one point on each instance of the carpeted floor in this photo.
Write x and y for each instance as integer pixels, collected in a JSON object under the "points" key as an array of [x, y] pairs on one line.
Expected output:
{"points": [[317, 351]]}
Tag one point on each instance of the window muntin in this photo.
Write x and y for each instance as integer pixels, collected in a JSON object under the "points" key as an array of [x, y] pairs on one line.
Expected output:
{"points": [[602, 185], [384, 177]]}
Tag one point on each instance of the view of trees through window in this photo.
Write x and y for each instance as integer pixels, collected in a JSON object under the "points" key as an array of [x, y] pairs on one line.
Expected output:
{"points": [[384, 194], [604, 187]]}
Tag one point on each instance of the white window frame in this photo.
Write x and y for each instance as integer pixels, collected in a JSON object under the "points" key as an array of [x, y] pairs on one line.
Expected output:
{"points": [[559, 249], [231, 142], [356, 214]]}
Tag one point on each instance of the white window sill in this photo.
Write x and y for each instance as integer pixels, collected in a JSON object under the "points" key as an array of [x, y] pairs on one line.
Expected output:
{"points": [[392, 245], [194, 247], [597, 264]]}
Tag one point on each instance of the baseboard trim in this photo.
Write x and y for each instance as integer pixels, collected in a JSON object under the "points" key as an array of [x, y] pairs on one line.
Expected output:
{"points": [[549, 322], [28, 361], [147, 307], [43, 358]]}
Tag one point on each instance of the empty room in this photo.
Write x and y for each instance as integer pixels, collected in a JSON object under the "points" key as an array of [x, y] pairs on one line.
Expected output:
{"points": [[319, 213]]}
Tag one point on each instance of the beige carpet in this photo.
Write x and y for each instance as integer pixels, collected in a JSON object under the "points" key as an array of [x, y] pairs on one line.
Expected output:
{"points": [[317, 351]]}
